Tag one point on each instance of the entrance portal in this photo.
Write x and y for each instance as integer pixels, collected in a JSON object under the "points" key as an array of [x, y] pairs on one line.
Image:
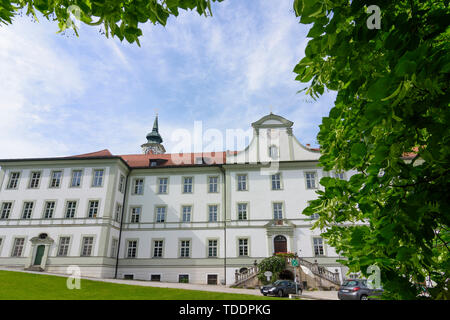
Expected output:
{"points": [[39, 253], [280, 244]]}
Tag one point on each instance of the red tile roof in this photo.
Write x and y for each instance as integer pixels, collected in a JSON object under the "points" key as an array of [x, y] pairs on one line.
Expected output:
{"points": [[173, 159], [101, 153]]}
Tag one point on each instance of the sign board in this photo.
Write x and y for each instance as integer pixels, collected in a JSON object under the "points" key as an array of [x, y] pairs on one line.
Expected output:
{"points": [[294, 262], [268, 275]]}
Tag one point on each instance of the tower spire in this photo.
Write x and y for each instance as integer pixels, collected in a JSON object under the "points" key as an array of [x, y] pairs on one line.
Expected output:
{"points": [[154, 140]]}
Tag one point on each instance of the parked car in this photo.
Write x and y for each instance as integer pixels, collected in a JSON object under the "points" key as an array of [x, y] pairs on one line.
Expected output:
{"points": [[281, 288], [357, 289]]}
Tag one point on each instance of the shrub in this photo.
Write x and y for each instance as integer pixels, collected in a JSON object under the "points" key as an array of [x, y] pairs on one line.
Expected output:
{"points": [[274, 264]]}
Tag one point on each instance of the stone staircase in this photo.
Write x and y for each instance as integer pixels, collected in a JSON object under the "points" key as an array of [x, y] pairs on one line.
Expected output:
{"points": [[321, 278], [34, 268], [248, 278]]}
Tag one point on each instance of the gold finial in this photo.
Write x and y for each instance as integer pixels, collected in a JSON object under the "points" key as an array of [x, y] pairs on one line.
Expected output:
{"points": [[270, 109]]}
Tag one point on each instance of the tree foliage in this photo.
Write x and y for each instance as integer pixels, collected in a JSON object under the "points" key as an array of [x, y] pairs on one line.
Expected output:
{"points": [[390, 122], [392, 99], [274, 264], [120, 18]]}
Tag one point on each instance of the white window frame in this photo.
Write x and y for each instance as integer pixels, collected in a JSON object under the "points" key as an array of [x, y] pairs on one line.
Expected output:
{"points": [[91, 245], [5, 215], [184, 185], [239, 183], [308, 179], [216, 184], [15, 179], [138, 189], [158, 213], [133, 214], [58, 252], [160, 248], [14, 244], [275, 215], [238, 211], [183, 213], [30, 213], [95, 178], [35, 182], [45, 208], [52, 179], [127, 252], [183, 248], [160, 185], [66, 208], [95, 213], [72, 176]]}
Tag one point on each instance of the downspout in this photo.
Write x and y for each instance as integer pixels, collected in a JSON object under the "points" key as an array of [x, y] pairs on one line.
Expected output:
{"points": [[224, 224], [121, 223]]}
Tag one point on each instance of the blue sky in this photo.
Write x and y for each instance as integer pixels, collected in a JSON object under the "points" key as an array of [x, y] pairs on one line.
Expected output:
{"points": [[63, 95]]}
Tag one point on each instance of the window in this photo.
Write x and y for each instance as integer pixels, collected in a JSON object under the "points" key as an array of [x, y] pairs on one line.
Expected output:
{"points": [[276, 181], [19, 243], [49, 209], [13, 180], [212, 279], [155, 277], [243, 247], [34, 180], [93, 209], [138, 187], [55, 181], [242, 211], [213, 184], [6, 210], [157, 249], [98, 178], [71, 207], [128, 276], [185, 248], [121, 183], [310, 180], [27, 210], [160, 214], [183, 278], [314, 216], [135, 214], [131, 248], [273, 152], [118, 213], [318, 247], [339, 175], [162, 185], [278, 211], [114, 246], [75, 181], [212, 210], [242, 182], [88, 245], [63, 247], [187, 185], [187, 210], [212, 248]]}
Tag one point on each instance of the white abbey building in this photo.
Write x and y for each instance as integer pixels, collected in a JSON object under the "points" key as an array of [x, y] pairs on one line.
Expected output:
{"points": [[153, 217]]}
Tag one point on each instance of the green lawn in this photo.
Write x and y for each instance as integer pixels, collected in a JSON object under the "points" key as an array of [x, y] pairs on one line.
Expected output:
{"points": [[25, 286]]}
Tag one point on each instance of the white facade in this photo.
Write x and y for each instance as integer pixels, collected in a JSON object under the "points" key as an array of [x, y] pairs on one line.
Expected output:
{"points": [[204, 221]]}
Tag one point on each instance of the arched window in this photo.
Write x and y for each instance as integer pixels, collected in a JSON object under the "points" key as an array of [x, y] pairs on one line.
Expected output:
{"points": [[273, 152]]}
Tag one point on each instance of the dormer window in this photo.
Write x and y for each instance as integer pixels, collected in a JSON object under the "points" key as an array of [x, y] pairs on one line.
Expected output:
{"points": [[153, 163], [273, 152], [198, 160]]}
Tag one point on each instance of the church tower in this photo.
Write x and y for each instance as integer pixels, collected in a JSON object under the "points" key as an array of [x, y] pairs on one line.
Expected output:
{"points": [[154, 141]]}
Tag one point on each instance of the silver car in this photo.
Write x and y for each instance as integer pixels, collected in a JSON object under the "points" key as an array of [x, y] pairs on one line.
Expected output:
{"points": [[357, 289]]}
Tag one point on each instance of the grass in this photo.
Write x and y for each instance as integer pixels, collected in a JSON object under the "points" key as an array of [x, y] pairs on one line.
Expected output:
{"points": [[30, 286]]}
